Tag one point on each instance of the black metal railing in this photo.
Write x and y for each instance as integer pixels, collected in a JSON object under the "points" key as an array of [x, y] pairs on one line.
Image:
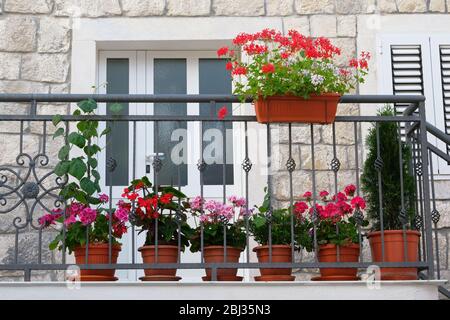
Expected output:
{"points": [[25, 185]]}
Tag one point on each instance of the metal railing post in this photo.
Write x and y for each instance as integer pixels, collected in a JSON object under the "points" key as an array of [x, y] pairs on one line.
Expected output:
{"points": [[426, 191]]}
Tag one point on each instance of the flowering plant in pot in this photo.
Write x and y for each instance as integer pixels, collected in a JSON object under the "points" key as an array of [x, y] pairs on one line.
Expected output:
{"points": [[338, 219], [291, 77], [161, 213], [271, 229], [88, 229], [219, 224], [401, 240], [85, 230]]}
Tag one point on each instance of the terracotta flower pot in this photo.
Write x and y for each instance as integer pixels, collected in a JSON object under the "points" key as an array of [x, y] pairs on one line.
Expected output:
{"points": [[316, 109], [394, 251], [329, 253], [280, 253], [166, 254], [98, 253], [215, 254]]}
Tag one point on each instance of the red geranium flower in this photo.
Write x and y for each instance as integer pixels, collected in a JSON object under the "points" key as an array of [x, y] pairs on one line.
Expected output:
{"points": [[166, 198], [222, 51], [268, 68], [221, 114]]}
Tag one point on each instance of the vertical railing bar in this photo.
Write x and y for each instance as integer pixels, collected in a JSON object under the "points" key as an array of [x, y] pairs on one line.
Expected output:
{"points": [[16, 246], [360, 239], [224, 182], [335, 170], [421, 200], [110, 217], [133, 236], [313, 169], [21, 138], [40, 246], [269, 187], [156, 173], [247, 238], [426, 190], [418, 188], [402, 194], [355, 129], [44, 137], [33, 108], [380, 192], [66, 137], [436, 234], [111, 177], [291, 193], [179, 204], [201, 169]]}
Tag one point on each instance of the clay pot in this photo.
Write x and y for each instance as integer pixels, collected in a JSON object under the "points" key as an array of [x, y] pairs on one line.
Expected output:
{"points": [[329, 253], [215, 254], [394, 251], [166, 254], [280, 253], [98, 253], [316, 109]]}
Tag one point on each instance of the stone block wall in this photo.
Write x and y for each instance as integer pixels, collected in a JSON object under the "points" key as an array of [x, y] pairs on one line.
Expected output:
{"points": [[35, 55]]}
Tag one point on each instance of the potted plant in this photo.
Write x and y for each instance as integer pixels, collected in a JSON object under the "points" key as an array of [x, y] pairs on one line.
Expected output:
{"points": [[220, 222], [291, 78], [161, 213], [86, 224], [276, 225], [86, 234], [338, 219], [397, 221]]}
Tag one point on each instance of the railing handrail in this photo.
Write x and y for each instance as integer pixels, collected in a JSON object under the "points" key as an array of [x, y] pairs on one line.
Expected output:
{"points": [[188, 98]]}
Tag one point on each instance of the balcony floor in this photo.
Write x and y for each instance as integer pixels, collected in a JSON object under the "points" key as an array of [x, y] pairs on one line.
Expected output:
{"points": [[298, 290]]}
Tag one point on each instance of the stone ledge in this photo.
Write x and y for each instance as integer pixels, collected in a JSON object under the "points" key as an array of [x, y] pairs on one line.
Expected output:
{"points": [[298, 290]]}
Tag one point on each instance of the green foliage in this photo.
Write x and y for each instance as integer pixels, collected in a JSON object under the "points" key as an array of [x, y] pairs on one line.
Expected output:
{"points": [[279, 224], [170, 215], [82, 168], [390, 176], [214, 235]]}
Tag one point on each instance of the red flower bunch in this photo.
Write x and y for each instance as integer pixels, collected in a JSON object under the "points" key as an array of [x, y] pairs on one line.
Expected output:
{"points": [[148, 206], [145, 205], [339, 216], [278, 64]]}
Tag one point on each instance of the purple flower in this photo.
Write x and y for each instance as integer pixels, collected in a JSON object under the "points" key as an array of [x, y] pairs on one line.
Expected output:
{"points": [[49, 219], [87, 216], [121, 214], [103, 197], [196, 203]]}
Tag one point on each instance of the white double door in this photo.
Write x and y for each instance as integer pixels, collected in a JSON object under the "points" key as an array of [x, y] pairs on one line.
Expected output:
{"points": [[134, 144]]}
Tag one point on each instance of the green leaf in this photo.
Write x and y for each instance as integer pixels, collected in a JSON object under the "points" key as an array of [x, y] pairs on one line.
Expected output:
{"points": [[106, 131], [62, 168], [56, 119], [91, 150], [259, 221], [95, 174], [82, 125], [80, 196], [58, 132], [77, 112], [77, 168], [54, 244], [77, 139], [115, 107], [63, 152], [87, 105], [92, 162], [88, 186]]}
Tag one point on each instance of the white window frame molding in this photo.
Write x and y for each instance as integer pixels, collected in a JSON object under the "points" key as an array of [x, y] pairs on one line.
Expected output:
{"points": [[407, 29]]}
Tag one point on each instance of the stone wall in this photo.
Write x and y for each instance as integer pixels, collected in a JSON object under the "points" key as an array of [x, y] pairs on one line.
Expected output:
{"points": [[35, 44]]}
